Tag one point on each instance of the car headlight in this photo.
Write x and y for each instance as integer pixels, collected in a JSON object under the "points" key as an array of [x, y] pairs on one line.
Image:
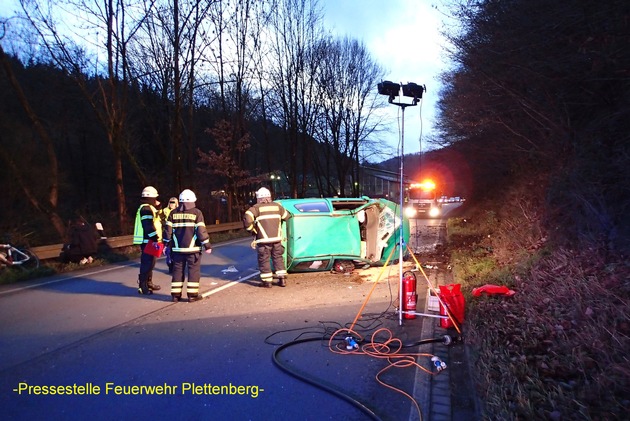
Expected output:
{"points": [[433, 212], [410, 212]]}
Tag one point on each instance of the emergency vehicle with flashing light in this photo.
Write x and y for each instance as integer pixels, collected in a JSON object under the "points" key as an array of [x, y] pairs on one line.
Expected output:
{"points": [[422, 200]]}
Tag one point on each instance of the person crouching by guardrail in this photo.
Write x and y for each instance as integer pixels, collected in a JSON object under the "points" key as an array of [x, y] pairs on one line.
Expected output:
{"points": [[186, 235], [147, 233], [82, 242]]}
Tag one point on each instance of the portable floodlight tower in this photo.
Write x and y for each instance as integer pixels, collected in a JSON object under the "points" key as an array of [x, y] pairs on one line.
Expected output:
{"points": [[414, 91]]}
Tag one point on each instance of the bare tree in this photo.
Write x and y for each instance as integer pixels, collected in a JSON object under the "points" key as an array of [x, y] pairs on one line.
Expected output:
{"points": [[166, 58], [109, 101], [49, 206], [261, 67], [346, 82], [296, 26], [233, 57]]}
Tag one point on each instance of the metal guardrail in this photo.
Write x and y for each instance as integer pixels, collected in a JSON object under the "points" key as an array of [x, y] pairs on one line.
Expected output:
{"points": [[52, 251]]}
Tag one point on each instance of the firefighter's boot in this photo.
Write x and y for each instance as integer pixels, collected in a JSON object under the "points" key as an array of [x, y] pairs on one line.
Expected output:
{"points": [[143, 286], [282, 281], [152, 286]]}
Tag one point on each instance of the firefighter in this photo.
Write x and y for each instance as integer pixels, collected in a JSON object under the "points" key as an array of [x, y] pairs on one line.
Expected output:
{"points": [[264, 221], [186, 236], [173, 203], [148, 226]]}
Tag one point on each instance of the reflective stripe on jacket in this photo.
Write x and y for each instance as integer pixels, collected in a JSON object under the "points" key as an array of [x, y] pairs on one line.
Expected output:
{"points": [[265, 220], [186, 231], [147, 225]]}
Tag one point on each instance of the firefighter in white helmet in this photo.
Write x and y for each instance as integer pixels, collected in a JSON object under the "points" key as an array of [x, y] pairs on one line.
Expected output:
{"points": [[264, 221], [186, 235], [148, 226]]}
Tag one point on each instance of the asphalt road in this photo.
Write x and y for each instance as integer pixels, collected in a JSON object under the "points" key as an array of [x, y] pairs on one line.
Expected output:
{"points": [[99, 346]]}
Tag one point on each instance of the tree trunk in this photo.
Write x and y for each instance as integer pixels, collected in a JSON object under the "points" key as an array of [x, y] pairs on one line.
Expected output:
{"points": [[53, 177]]}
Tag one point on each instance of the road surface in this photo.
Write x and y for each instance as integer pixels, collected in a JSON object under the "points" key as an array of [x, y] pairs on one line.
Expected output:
{"points": [[86, 345]]}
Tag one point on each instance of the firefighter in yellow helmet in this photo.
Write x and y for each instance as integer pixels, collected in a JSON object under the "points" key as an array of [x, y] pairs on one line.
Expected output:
{"points": [[264, 221], [186, 235], [148, 226]]}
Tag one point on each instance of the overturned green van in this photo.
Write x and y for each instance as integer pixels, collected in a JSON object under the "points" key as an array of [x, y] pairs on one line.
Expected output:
{"points": [[333, 233]]}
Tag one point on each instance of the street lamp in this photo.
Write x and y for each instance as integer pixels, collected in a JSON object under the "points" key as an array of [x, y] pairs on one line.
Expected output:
{"points": [[414, 91], [273, 183]]}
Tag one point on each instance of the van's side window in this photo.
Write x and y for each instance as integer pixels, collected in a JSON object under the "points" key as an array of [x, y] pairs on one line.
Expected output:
{"points": [[313, 207]]}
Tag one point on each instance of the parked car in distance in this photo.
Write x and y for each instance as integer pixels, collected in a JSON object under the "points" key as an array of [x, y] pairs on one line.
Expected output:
{"points": [[325, 233]]}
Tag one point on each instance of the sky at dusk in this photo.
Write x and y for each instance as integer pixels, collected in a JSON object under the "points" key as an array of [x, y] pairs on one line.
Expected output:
{"points": [[404, 37]]}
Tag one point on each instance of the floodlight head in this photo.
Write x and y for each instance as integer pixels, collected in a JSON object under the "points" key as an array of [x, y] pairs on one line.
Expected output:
{"points": [[413, 90], [388, 88]]}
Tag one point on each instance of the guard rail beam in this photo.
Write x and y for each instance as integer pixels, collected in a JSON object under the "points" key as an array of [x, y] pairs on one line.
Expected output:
{"points": [[52, 251]]}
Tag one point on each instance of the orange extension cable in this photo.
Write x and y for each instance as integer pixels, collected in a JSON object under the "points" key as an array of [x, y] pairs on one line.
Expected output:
{"points": [[390, 348]]}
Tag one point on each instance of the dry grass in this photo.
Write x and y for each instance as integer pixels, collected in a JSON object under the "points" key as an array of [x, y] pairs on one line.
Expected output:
{"points": [[558, 349]]}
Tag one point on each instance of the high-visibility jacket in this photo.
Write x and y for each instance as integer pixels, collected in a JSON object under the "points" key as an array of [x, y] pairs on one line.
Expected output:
{"points": [[147, 225], [185, 231], [265, 221], [166, 212]]}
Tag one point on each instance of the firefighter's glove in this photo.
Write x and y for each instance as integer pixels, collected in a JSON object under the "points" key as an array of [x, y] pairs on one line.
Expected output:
{"points": [[253, 244]]}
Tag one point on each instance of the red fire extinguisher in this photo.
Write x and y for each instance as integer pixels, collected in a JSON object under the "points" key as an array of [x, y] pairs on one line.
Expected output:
{"points": [[410, 298]]}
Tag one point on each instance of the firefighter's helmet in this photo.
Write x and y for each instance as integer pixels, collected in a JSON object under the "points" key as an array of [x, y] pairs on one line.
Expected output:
{"points": [[150, 191], [263, 193], [187, 196]]}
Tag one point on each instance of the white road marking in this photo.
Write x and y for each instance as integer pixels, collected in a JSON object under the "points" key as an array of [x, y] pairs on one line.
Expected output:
{"points": [[228, 285]]}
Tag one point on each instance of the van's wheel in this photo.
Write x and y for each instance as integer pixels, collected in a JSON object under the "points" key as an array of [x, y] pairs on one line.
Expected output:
{"points": [[343, 266]]}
